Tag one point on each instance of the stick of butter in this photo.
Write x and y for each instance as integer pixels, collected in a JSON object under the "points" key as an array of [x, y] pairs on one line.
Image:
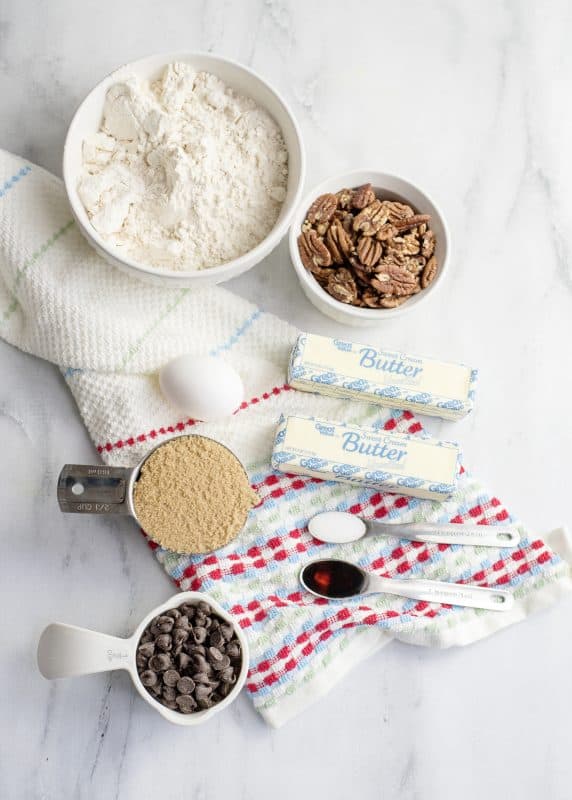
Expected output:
{"points": [[388, 378], [390, 462]]}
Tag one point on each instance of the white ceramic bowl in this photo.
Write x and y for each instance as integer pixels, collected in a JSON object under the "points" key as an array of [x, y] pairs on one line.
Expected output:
{"points": [[391, 187], [87, 120], [66, 651]]}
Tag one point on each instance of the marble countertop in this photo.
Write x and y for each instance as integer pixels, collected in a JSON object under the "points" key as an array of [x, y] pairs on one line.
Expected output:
{"points": [[472, 102]]}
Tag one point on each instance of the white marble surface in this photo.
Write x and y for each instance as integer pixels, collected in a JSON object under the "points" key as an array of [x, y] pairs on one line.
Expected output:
{"points": [[472, 101]]}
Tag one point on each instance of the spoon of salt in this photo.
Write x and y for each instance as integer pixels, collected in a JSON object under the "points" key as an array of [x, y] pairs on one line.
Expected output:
{"points": [[340, 527], [335, 579]]}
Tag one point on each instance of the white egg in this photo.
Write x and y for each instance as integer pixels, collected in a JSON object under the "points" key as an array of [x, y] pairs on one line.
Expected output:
{"points": [[204, 387]]}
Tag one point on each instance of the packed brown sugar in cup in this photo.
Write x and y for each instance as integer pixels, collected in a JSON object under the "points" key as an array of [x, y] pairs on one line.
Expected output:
{"points": [[192, 495]]}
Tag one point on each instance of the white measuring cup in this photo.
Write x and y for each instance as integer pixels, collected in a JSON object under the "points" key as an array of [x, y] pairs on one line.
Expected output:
{"points": [[66, 651], [98, 489]]}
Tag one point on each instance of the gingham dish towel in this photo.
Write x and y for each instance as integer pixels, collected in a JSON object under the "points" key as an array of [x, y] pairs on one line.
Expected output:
{"points": [[110, 334]]}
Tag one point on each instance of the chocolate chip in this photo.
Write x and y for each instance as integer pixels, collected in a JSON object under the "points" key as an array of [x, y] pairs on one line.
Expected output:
{"points": [[204, 607], [140, 661], [200, 664], [169, 693], [216, 639], [171, 677], [196, 648], [146, 649], [185, 685], [202, 691], [186, 704], [164, 624], [179, 636], [160, 662], [233, 650], [223, 663], [214, 655], [199, 634], [149, 678], [183, 660], [183, 623], [164, 641], [227, 631], [173, 612], [201, 677], [205, 703], [228, 675]]}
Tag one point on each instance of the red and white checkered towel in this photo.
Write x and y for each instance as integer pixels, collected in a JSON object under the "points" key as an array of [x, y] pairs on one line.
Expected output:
{"points": [[109, 335]]}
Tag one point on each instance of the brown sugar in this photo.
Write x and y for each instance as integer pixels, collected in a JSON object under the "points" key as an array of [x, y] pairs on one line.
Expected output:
{"points": [[192, 495]]}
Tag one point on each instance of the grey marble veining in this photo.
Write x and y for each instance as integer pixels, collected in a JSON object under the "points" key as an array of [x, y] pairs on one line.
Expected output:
{"points": [[470, 100]]}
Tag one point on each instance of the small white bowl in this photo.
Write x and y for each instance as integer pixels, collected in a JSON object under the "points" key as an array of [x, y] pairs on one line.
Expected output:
{"points": [[87, 120], [390, 187]]}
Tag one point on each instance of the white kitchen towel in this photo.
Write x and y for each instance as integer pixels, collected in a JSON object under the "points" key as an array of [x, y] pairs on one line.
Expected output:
{"points": [[109, 334]]}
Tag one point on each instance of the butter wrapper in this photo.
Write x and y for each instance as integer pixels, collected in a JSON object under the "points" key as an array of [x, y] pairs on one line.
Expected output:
{"points": [[385, 377], [391, 462]]}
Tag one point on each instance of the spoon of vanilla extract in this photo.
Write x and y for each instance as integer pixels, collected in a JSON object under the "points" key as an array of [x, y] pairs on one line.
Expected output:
{"points": [[335, 579]]}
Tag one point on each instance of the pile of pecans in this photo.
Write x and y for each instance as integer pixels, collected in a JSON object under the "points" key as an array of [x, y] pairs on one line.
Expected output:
{"points": [[189, 658], [366, 251]]}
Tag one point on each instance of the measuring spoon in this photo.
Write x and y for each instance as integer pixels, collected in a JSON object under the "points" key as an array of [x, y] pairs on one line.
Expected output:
{"points": [[340, 527], [335, 579]]}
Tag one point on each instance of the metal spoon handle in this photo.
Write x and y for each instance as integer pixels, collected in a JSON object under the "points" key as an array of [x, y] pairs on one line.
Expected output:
{"points": [[443, 592], [450, 533]]}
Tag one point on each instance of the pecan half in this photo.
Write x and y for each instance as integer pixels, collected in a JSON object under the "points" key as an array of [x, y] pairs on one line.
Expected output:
{"points": [[407, 245], [371, 218], [370, 298], [397, 281], [412, 222], [322, 274], [363, 196], [389, 301], [362, 274], [338, 242], [386, 232], [428, 244], [397, 212], [369, 251], [429, 272], [346, 218], [344, 198], [342, 286], [322, 209], [313, 251], [415, 265]]}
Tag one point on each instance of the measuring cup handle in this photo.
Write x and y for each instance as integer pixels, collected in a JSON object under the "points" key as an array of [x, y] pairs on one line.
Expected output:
{"points": [[88, 489], [65, 651]]}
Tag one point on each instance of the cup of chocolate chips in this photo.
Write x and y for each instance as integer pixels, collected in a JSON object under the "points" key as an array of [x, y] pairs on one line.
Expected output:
{"points": [[188, 658]]}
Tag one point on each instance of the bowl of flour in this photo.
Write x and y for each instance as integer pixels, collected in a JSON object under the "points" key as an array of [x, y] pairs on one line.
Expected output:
{"points": [[183, 169]]}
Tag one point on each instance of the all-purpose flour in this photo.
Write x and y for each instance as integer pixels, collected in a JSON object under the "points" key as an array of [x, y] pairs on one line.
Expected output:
{"points": [[185, 173]]}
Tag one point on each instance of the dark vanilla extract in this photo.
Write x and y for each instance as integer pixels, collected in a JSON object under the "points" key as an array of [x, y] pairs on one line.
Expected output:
{"points": [[334, 579]]}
